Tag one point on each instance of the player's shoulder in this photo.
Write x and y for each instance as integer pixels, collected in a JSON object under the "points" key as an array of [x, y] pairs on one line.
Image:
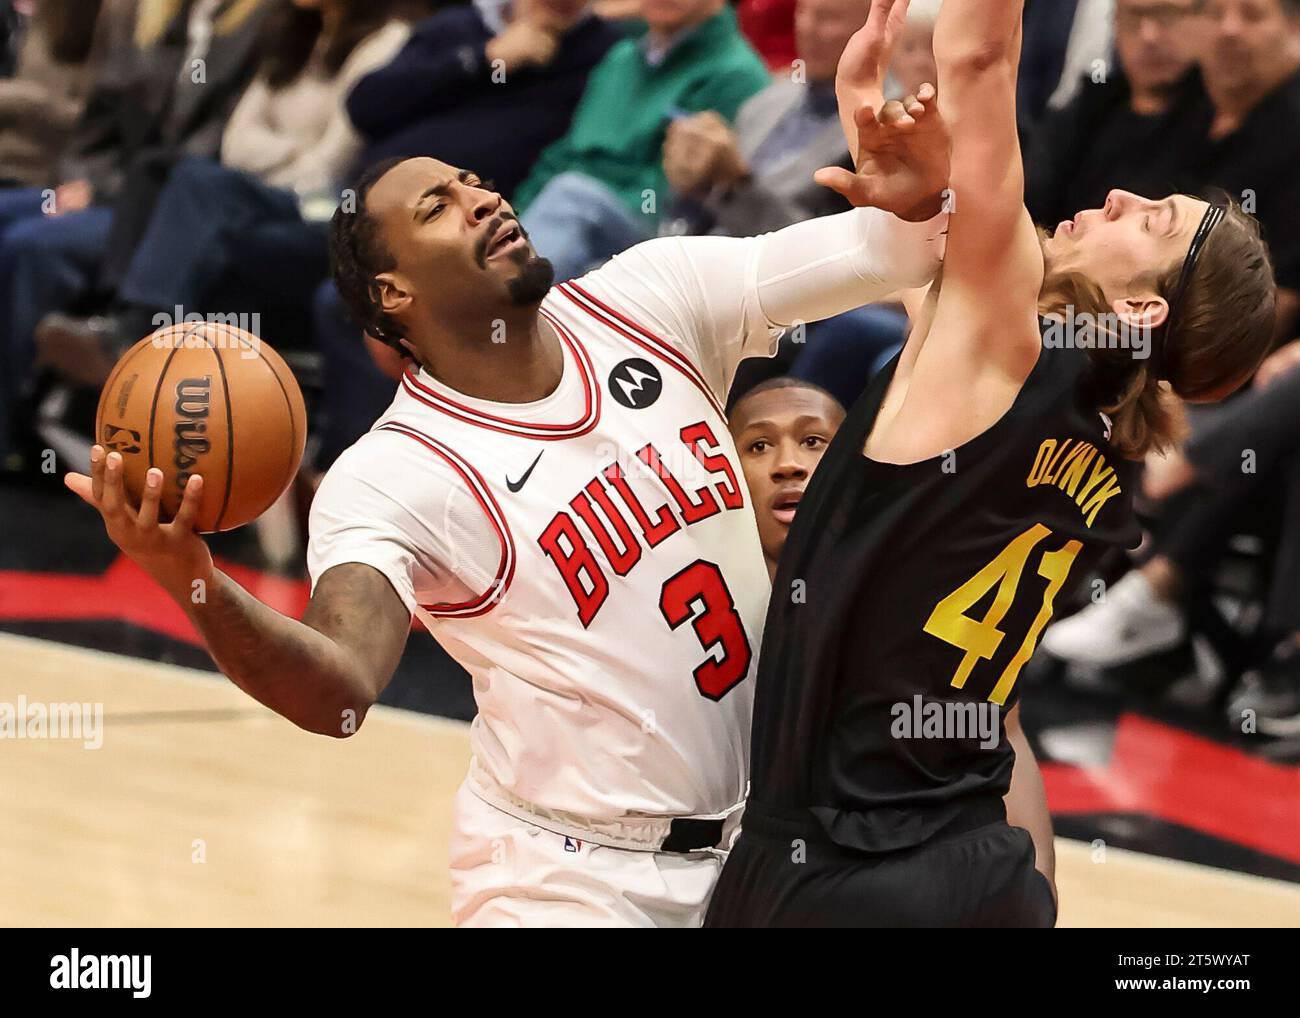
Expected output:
{"points": [[394, 451], [389, 466], [654, 286], [655, 251], [660, 269]]}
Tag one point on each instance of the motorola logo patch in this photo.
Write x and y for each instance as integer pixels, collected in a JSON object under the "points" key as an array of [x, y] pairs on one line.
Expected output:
{"points": [[636, 383]]}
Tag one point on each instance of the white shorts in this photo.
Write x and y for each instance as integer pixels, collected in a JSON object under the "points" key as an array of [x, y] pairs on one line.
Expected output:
{"points": [[508, 872]]}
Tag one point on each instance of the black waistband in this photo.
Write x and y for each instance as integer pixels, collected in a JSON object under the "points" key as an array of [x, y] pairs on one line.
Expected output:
{"points": [[785, 822], [691, 834]]}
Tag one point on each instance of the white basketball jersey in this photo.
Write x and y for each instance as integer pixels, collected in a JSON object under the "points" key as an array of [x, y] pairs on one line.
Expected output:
{"points": [[613, 652]]}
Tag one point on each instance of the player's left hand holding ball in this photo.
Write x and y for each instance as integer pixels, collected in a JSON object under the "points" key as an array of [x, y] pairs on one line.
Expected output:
{"points": [[173, 554]]}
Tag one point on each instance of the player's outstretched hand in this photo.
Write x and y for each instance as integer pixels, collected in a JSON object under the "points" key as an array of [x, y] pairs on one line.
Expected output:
{"points": [[172, 553], [902, 158]]}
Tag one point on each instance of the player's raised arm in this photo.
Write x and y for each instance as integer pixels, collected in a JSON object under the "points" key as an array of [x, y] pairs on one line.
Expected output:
{"points": [[323, 673], [993, 261]]}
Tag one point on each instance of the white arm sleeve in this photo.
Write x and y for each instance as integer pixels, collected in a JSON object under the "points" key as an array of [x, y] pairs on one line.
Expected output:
{"points": [[388, 503], [724, 298]]}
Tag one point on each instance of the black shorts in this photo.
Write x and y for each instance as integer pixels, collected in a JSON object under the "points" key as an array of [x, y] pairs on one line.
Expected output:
{"points": [[785, 875]]}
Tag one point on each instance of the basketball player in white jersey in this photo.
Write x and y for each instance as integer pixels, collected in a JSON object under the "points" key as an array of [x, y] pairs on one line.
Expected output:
{"points": [[555, 494]]}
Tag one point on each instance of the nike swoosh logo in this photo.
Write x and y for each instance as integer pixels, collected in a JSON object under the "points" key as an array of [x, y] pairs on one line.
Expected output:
{"points": [[514, 486]]}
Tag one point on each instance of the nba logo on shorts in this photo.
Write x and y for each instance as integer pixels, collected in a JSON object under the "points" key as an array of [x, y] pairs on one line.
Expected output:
{"points": [[572, 844]]}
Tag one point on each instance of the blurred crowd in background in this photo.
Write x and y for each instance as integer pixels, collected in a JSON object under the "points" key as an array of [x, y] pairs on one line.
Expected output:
{"points": [[167, 157]]}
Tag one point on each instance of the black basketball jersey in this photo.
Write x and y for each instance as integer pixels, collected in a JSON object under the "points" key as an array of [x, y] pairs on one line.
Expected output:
{"points": [[907, 601]]}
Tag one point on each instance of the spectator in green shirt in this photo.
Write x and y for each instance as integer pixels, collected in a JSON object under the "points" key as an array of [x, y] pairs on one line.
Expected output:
{"points": [[601, 187]]}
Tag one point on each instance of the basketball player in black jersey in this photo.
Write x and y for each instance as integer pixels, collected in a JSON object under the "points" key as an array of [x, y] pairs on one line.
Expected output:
{"points": [[977, 478], [782, 428]]}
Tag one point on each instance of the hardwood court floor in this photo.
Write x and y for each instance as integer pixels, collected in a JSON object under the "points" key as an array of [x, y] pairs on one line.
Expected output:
{"points": [[202, 808]]}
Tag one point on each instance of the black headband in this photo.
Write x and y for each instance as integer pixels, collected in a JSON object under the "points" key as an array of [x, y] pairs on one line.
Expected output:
{"points": [[1214, 215]]}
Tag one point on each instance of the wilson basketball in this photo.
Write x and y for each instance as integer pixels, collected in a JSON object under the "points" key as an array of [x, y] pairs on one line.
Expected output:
{"points": [[209, 399]]}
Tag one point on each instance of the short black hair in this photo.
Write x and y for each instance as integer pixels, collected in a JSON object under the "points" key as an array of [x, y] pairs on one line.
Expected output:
{"points": [[358, 254], [783, 382]]}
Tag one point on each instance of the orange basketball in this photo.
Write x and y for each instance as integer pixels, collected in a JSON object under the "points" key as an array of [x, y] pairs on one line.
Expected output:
{"points": [[209, 399]]}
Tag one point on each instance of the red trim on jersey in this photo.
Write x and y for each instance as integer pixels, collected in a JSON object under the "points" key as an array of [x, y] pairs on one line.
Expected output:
{"points": [[642, 337], [524, 429], [482, 493]]}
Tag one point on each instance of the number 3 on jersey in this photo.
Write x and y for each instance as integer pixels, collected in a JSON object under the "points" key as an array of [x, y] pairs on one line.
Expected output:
{"points": [[980, 638], [717, 625]]}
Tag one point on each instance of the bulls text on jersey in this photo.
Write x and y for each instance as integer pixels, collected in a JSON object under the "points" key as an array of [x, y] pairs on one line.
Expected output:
{"points": [[634, 529]]}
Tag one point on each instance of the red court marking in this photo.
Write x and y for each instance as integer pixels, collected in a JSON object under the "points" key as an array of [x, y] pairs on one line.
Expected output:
{"points": [[125, 593], [1186, 779]]}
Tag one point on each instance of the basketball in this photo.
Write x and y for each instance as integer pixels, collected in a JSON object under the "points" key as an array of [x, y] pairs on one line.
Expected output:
{"points": [[208, 399]]}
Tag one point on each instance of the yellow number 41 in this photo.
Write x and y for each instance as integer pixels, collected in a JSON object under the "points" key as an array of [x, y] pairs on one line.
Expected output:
{"points": [[981, 638]]}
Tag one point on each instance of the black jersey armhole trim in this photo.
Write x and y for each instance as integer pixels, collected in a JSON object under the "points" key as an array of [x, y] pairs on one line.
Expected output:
{"points": [[1042, 386]]}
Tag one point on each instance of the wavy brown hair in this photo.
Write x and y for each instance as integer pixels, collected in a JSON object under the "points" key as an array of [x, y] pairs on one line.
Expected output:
{"points": [[1223, 330]]}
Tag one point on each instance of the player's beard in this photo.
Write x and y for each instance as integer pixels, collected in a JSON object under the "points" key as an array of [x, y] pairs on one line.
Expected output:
{"points": [[536, 277]]}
